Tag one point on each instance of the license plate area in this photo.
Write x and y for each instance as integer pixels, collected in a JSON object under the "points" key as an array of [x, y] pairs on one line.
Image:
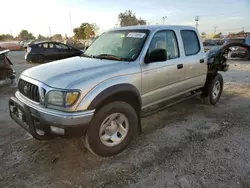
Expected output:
{"points": [[22, 116], [18, 112]]}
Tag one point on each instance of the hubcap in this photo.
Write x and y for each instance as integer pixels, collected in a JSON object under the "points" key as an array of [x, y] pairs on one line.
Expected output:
{"points": [[114, 129], [216, 89]]}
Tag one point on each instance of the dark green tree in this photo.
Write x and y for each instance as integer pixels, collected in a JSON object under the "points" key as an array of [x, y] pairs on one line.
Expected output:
{"points": [[25, 35], [129, 18], [6, 37], [218, 35], [85, 31], [40, 37]]}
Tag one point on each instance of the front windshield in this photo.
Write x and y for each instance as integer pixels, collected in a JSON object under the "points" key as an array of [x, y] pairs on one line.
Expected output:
{"points": [[122, 44]]}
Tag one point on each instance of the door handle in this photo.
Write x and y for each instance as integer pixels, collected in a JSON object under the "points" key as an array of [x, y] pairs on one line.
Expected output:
{"points": [[202, 60], [179, 66]]}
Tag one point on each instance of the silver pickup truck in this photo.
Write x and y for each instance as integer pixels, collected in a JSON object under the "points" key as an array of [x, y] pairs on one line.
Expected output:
{"points": [[127, 73]]}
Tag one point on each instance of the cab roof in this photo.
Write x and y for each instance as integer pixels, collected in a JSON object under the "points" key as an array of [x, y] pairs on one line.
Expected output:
{"points": [[155, 27]]}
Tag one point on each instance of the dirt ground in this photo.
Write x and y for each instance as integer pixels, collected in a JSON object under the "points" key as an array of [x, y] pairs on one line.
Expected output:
{"points": [[188, 145]]}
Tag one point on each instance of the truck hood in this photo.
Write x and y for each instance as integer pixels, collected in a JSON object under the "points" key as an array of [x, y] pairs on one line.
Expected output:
{"points": [[64, 73]]}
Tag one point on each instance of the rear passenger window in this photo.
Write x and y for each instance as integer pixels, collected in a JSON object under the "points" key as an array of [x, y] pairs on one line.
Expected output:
{"points": [[51, 45], [45, 45], [61, 46], [191, 42]]}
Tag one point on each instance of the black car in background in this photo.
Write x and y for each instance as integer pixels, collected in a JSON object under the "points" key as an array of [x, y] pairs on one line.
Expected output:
{"points": [[239, 52], [209, 42], [49, 51]]}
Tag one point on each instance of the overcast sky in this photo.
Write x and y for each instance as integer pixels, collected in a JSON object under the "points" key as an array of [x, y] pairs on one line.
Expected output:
{"points": [[38, 15]]}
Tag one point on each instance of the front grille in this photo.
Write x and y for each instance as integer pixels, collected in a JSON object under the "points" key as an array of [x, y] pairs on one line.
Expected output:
{"points": [[29, 90]]}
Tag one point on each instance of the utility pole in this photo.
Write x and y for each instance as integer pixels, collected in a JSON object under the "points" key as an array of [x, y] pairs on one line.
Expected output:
{"points": [[71, 29], [197, 19], [49, 32], [215, 28], [163, 19]]}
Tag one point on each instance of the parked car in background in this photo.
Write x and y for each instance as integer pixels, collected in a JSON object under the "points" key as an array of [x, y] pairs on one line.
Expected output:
{"points": [[219, 41], [49, 51], [7, 74], [209, 42], [239, 52]]}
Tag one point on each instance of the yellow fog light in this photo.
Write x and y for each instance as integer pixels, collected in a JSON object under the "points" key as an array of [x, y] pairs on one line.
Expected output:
{"points": [[71, 98]]}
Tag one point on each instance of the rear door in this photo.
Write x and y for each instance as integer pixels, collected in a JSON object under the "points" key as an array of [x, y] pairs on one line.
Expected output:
{"points": [[195, 63], [46, 51], [52, 51], [63, 51]]}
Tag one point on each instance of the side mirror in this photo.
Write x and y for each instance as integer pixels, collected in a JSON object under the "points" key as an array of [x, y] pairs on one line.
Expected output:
{"points": [[156, 56]]}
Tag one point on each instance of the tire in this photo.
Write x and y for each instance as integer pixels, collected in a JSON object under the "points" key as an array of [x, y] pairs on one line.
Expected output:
{"points": [[38, 59], [213, 85], [97, 145]]}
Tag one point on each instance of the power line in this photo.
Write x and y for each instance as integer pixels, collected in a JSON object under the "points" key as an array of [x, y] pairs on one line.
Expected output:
{"points": [[220, 14], [229, 29]]}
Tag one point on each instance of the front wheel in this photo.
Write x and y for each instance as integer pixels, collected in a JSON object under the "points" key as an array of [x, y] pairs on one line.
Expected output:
{"points": [[112, 129], [213, 89]]}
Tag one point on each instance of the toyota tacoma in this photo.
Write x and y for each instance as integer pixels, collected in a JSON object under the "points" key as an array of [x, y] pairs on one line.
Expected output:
{"points": [[126, 74]]}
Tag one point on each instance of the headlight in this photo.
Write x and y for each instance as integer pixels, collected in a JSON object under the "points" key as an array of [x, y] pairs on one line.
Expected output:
{"points": [[62, 98]]}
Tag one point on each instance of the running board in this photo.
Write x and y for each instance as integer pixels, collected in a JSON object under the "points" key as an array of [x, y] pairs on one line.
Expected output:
{"points": [[167, 104]]}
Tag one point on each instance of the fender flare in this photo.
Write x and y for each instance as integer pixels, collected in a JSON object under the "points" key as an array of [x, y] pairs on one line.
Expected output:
{"points": [[112, 90]]}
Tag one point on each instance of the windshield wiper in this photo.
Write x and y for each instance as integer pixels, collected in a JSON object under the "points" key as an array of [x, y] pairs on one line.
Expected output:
{"points": [[108, 56], [85, 55], [112, 57]]}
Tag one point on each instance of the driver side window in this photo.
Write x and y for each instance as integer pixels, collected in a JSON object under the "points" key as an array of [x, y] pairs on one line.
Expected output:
{"points": [[165, 40]]}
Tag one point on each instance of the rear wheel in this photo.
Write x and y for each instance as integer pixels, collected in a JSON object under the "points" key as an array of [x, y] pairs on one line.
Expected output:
{"points": [[213, 89], [112, 129]]}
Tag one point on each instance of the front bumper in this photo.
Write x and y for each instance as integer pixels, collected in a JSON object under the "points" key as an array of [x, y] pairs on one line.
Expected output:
{"points": [[44, 124]]}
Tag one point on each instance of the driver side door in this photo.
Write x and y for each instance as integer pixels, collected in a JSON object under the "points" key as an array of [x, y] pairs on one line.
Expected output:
{"points": [[162, 80]]}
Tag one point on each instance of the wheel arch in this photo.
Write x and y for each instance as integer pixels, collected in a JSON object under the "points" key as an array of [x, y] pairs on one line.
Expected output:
{"points": [[123, 91]]}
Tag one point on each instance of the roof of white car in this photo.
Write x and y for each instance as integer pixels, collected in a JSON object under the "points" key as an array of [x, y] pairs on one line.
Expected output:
{"points": [[155, 27]]}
